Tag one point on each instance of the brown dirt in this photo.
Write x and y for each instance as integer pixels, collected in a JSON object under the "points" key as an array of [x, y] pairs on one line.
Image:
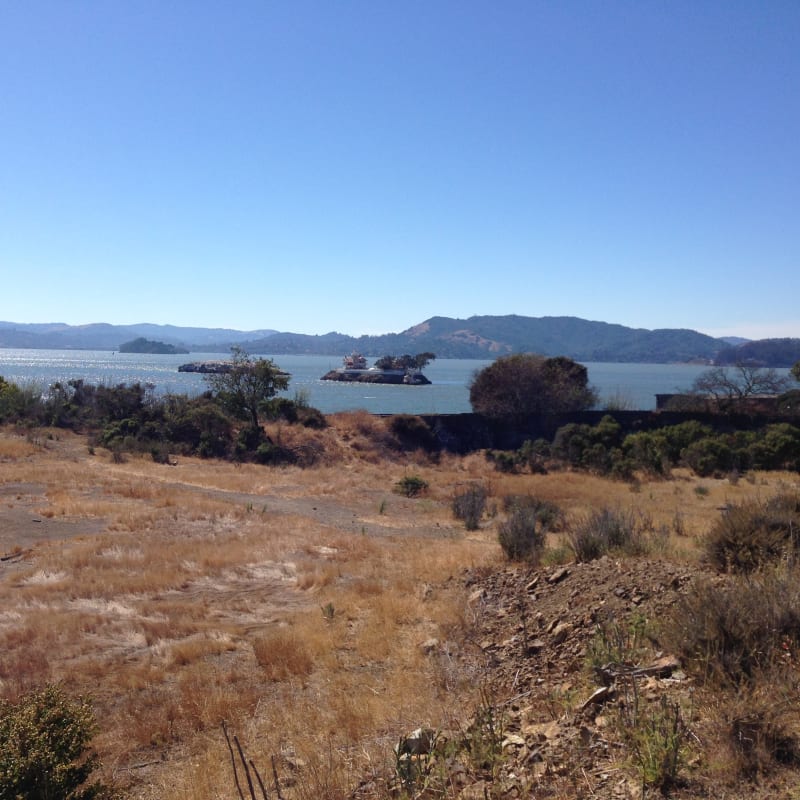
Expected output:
{"points": [[23, 526]]}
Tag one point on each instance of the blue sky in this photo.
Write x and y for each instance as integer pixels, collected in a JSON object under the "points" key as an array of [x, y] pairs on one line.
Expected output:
{"points": [[361, 166]]}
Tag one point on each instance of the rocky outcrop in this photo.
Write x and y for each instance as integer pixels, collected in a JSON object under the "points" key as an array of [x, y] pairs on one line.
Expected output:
{"points": [[394, 377], [206, 367]]}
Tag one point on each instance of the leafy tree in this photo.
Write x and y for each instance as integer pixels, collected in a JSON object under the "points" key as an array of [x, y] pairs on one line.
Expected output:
{"points": [[247, 385], [44, 748], [727, 386], [405, 361], [514, 386], [796, 371], [421, 360]]}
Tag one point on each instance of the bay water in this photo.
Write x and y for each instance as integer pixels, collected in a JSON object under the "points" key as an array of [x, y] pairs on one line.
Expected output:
{"points": [[632, 386]]}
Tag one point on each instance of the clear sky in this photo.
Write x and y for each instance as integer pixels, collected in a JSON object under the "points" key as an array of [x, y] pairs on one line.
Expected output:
{"points": [[310, 165]]}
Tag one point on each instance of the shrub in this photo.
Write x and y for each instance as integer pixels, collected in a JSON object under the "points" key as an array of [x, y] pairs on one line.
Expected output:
{"points": [[310, 417], [530, 456], [44, 748], [754, 533], [503, 460], [608, 530], [522, 535], [709, 456], [469, 505], [296, 411], [658, 741], [548, 514], [647, 451], [761, 728], [274, 454], [619, 642], [778, 447], [160, 453], [533, 454], [731, 632], [411, 486]]}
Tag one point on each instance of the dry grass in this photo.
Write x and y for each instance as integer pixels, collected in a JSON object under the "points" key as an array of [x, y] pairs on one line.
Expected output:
{"points": [[291, 603]]}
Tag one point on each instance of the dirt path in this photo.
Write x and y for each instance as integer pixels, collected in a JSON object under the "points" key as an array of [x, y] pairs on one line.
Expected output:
{"points": [[23, 526]]}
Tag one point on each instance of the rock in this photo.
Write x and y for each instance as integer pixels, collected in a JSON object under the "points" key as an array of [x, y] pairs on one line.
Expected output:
{"points": [[476, 596], [429, 646], [558, 575], [600, 696], [536, 646], [513, 740], [207, 367], [561, 632], [417, 743], [542, 731]]}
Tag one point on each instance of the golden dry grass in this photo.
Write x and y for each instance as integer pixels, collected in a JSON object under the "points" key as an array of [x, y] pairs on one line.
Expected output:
{"points": [[290, 603]]}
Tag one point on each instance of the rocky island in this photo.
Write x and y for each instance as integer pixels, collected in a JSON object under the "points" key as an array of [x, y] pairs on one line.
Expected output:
{"points": [[400, 370], [207, 367], [142, 345]]}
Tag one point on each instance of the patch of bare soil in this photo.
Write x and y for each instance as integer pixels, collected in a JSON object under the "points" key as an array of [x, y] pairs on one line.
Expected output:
{"points": [[23, 526]]}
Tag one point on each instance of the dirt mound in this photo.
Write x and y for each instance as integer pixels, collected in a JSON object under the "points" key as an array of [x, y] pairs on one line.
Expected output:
{"points": [[576, 695], [538, 632]]}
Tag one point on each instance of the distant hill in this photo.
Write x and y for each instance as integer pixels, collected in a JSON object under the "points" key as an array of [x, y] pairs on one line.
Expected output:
{"points": [[762, 353], [490, 336], [480, 337], [102, 336]]}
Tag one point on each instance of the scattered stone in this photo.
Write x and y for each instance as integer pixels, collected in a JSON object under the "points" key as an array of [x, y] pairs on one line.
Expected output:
{"points": [[598, 697], [561, 632], [558, 575], [429, 646]]}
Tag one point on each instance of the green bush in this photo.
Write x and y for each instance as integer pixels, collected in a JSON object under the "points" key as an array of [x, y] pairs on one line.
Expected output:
{"points": [[272, 454], [530, 456], [588, 446], [709, 456], [778, 447], [295, 412], [752, 534], [469, 505], [19, 403], [648, 451], [44, 748], [411, 486], [658, 740], [503, 460]]}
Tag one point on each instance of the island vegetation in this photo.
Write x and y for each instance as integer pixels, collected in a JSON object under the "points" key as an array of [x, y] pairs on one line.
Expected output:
{"points": [[142, 345], [400, 370]]}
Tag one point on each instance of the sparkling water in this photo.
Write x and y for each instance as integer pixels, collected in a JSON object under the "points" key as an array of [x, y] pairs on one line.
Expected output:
{"points": [[631, 386]]}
